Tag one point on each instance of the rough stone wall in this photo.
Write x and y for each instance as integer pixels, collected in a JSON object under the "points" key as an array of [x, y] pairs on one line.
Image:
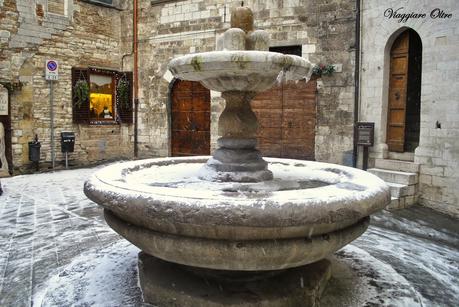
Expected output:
{"points": [[325, 29], [438, 151], [87, 35]]}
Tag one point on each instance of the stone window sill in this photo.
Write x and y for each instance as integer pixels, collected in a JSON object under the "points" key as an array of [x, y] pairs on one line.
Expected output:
{"points": [[154, 2], [103, 123], [95, 2]]}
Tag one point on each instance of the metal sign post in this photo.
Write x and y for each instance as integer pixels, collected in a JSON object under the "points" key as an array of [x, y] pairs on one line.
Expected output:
{"points": [[365, 138], [51, 74], [51, 107]]}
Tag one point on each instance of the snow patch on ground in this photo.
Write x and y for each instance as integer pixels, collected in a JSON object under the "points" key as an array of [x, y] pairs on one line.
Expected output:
{"points": [[431, 268], [96, 278], [378, 284], [108, 277]]}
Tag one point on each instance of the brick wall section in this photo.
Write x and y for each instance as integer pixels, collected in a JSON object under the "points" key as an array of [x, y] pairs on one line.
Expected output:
{"points": [[324, 28], [438, 153], [89, 36]]}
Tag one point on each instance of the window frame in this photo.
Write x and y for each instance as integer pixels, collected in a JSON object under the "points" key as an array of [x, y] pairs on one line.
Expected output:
{"points": [[112, 75], [122, 113]]}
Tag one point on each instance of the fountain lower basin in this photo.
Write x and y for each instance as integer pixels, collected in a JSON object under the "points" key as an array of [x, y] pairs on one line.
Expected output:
{"points": [[308, 211]]}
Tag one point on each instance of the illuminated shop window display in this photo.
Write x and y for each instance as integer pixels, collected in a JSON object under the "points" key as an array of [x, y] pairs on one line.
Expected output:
{"points": [[101, 97]]}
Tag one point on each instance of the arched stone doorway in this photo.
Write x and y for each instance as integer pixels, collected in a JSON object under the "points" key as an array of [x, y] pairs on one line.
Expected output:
{"points": [[404, 102], [190, 119]]}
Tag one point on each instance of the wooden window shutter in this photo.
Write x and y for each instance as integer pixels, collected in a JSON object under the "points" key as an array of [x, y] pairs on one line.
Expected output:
{"points": [[124, 108], [80, 108]]}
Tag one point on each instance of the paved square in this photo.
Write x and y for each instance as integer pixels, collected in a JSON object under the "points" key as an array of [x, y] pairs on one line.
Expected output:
{"points": [[45, 221]]}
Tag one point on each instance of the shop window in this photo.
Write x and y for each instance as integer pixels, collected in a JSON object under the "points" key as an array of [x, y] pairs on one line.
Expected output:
{"points": [[101, 96]]}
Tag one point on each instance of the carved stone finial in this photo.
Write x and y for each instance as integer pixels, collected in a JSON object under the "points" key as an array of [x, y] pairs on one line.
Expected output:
{"points": [[242, 17]]}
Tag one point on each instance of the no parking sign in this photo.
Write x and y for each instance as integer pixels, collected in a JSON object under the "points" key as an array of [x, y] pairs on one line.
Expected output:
{"points": [[51, 70]]}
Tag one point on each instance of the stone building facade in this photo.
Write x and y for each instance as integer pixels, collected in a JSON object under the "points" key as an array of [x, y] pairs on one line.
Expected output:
{"points": [[76, 34], [435, 156], [99, 34], [323, 30], [93, 34]]}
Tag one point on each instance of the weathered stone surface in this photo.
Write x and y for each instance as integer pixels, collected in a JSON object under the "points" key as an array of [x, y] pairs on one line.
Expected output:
{"points": [[242, 17], [82, 35], [438, 150], [257, 40], [167, 284], [326, 32], [280, 208], [230, 71], [3, 162], [234, 39], [236, 255], [239, 75], [88, 34]]}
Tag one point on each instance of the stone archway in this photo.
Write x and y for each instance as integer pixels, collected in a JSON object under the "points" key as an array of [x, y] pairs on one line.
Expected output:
{"points": [[404, 93]]}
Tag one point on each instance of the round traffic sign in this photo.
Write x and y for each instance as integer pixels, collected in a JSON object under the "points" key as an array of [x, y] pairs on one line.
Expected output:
{"points": [[52, 65]]}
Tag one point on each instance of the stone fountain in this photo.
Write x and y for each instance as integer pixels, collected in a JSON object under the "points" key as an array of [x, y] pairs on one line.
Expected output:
{"points": [[236, 229]]}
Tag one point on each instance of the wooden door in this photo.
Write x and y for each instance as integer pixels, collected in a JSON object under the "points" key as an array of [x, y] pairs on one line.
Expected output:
{"points": [[190, 114], [398, 80], [287, 118]]}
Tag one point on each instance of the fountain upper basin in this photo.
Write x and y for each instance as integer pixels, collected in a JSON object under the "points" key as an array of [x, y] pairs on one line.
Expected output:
{"points": [[252, 71]]}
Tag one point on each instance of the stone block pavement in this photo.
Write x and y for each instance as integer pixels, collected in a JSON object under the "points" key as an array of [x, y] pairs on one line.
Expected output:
{"points": [[49, 229], [45, 221]]}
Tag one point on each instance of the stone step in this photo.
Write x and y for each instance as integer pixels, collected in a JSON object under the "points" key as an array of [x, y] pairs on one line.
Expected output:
{"points": [[405, 156], [395, 176], [397, 165], [402, 202], [394, 204], [400, 190]]}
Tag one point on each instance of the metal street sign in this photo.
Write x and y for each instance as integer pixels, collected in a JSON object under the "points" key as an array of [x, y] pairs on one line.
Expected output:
{"points": [[51, 70], [365, 133]]}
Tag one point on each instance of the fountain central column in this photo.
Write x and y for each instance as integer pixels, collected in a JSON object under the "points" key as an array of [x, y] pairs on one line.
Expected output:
{"points": [[237, 158]]}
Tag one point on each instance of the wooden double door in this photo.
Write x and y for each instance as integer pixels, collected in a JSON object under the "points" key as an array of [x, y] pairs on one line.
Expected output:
{"points": [[403, 121], [190, 119], [286, 115], [287, 119]]}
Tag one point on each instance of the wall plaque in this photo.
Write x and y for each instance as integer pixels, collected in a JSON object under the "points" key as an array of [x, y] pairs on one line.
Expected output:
{"points": [[365, 133], [3, 101]]}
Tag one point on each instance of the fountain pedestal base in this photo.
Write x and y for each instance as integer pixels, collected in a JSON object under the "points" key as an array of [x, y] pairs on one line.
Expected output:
{"points": [[168, 284]]}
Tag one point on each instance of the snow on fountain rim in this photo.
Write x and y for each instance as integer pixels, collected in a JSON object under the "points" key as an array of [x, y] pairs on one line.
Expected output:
{"points": [[200, 66], [136, 180]]}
